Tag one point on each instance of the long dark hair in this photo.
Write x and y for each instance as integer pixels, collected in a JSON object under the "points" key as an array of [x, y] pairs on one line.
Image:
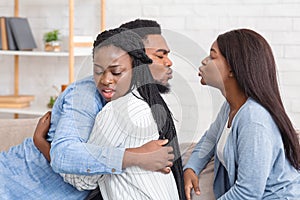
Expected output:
{"points": [[149, 91], [143, 81], [252, 61]]}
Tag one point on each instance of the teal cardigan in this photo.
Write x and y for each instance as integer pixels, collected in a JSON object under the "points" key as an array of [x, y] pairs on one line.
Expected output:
{"points": [[256, 166]]}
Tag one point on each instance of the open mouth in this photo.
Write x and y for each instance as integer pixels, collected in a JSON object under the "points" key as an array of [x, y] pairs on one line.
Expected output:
{"points": [[108, 93]]}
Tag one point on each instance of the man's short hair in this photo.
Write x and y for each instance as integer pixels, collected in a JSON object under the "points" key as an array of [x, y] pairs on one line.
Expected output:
{"points": [[143, 27]]}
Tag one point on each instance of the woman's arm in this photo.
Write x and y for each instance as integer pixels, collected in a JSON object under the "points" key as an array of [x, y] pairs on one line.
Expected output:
{"points": [[205, 148], [203, 152]]}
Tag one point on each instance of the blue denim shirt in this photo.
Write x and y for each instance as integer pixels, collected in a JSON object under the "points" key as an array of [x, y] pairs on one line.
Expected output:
{"points": [[256, 166], [26, 174]]}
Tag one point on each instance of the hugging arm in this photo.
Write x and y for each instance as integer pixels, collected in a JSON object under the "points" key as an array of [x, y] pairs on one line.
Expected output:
{"points": [[150, 156], [40, 134]]}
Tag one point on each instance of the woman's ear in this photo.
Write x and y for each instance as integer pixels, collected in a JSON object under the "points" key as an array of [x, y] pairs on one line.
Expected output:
{"points": [[231, 74]]}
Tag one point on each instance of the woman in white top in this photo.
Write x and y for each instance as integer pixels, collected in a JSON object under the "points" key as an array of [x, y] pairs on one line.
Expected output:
{"points": [[135, 114]]}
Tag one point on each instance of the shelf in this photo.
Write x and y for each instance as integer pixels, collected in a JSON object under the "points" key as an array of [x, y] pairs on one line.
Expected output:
{"points": [[31, 110], [78, 46], [77, 52]]}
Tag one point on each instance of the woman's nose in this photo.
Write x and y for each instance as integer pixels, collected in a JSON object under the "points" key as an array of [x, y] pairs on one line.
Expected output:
{"points": [[106, 79], [204, 61]]}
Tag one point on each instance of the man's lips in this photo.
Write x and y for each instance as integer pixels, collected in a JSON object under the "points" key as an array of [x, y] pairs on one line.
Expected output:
{"points": [[169, 74]]}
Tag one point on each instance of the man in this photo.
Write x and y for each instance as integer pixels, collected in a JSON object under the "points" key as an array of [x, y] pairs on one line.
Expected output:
{"points": [[157, 49]]}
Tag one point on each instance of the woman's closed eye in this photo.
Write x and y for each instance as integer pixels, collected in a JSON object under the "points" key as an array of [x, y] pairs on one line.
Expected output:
{"points": [[116, 73], [98, 72]]}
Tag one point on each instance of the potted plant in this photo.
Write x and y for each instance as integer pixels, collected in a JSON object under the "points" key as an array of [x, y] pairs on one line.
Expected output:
{"points": [[53, 98], [52, 40], [51, 101]]}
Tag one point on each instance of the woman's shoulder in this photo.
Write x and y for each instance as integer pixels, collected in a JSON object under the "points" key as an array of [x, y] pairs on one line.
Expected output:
{"points": [[254, 110], [130, 112], [253, 113]]}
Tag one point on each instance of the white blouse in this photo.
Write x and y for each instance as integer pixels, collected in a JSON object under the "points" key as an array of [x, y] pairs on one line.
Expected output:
{"points": [[127, 122], [221, 144]]}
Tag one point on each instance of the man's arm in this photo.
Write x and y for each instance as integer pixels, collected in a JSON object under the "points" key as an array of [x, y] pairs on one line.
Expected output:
{"points": [[151, 156], [72, 119], [40, 134], [109, 131], [133, 157]]}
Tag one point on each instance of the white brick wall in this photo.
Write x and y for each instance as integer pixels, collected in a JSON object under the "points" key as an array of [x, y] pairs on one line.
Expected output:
{"points": [[196, 22]]}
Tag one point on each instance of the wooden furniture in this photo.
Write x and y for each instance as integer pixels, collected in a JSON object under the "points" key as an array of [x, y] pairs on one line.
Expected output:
{"points": [[72, 52]]}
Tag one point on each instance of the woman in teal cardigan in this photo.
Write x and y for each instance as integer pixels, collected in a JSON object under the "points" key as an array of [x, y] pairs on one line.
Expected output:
{"points": [[253, 142]]}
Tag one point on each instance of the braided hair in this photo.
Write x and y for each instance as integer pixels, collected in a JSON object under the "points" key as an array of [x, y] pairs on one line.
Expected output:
{"points": [[143, 81]]}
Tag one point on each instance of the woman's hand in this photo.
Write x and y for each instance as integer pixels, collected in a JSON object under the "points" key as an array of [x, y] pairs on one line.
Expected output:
{"points": [[191, 181]]}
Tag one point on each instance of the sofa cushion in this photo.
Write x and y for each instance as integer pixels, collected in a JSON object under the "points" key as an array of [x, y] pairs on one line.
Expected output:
{"points": [[14, 131]]}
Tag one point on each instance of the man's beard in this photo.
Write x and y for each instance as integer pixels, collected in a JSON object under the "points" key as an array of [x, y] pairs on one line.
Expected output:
{"points": [[163, 89]]}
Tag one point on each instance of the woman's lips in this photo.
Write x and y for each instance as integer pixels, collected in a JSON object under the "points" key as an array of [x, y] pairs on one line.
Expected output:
{"points": [[200, 73], [107, 93]]}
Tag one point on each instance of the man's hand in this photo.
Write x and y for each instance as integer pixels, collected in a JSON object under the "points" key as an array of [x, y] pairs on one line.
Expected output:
{"points": [[191, 181], [40, 135], [152, 156]]}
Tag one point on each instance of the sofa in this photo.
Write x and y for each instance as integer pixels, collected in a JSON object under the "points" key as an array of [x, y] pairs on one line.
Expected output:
{"points": [[13, 132]]}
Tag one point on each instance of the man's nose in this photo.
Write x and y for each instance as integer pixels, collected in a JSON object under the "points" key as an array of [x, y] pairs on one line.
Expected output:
{"points": [[168, 62]]}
